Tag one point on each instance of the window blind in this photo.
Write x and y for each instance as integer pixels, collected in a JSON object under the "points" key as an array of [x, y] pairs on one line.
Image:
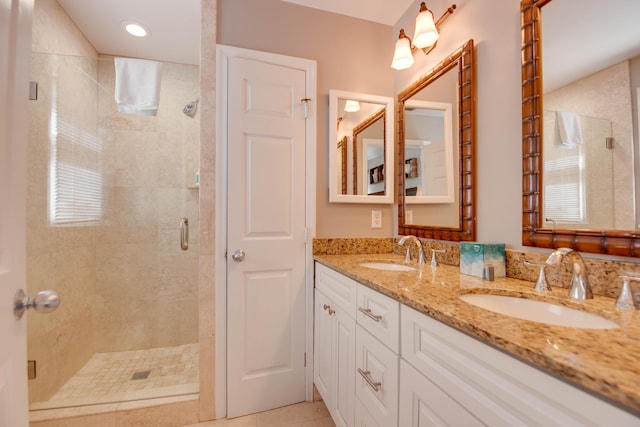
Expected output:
{"points": [[564, 185], [75, 182]]}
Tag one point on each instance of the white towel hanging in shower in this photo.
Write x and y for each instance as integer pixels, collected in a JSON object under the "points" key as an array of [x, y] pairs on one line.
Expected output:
{"points": [[569, 128], [138, 85]]}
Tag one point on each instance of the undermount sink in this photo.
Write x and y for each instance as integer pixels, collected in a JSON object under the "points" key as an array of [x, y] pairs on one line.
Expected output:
{"points": [[538, 311], [389, 266]]}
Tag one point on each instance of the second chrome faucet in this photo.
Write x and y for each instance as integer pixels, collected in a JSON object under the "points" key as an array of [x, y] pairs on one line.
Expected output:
{"points": [[580, 287]]}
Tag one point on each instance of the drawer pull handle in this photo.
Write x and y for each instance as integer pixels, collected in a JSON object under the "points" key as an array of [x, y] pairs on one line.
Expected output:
{"points": [[367, 312], [367, 377], [328, 307]]}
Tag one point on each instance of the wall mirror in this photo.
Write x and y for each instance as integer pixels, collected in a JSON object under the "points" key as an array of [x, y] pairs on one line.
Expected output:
{"points": [[436, 121], [361, 165], [580, 123]]}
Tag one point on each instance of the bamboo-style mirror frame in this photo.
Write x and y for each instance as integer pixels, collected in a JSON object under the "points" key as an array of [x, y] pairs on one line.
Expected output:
{"points": [[611, 242], [462, 60]]}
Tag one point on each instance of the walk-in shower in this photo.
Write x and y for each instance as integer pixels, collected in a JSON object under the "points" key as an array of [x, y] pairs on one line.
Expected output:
{"points": [[127, 327]]}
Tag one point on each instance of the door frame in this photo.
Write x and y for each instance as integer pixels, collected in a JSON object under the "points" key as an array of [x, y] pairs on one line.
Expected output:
{"points": [[223, 53]]}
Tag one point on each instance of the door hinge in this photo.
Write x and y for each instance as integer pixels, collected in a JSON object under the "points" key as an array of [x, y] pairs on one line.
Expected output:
{"points": [[305, 106], [609, 141], [33, 91], [305, 359], [31, 369]]}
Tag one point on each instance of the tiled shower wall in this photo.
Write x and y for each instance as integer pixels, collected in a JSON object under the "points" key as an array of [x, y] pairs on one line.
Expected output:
{"points": [[146, 286]]}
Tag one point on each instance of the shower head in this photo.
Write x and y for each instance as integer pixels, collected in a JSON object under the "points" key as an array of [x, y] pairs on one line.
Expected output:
{"points": [[191, 108]]}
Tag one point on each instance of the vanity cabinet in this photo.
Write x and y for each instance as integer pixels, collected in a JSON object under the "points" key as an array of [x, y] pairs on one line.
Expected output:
{"points": [[334, 343], [407, 369]]}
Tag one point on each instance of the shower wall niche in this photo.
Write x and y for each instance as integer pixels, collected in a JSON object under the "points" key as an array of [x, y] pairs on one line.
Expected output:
{"points": [[124, 282]]}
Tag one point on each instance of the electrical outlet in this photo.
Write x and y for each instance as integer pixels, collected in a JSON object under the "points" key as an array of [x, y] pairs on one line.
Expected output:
{"points": [[376, 219], [408, 217]]}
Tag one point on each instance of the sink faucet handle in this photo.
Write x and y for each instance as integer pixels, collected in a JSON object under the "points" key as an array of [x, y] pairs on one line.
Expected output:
{"points": [[541, 284], [626, 299], [434, 260]]}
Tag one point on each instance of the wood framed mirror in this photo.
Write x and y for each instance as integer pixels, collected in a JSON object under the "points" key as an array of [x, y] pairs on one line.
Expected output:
{"points": [[444, 220], [564, 207]]}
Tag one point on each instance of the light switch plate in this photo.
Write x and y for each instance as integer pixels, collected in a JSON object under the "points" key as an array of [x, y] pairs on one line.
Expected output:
{"points": [[376, 219]]}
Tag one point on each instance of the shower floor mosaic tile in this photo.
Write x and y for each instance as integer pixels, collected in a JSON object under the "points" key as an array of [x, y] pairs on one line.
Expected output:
{"points": [[131, 375]]}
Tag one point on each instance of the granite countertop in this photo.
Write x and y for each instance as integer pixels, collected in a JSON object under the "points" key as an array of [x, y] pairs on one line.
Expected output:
{"points": [[605, 362]]}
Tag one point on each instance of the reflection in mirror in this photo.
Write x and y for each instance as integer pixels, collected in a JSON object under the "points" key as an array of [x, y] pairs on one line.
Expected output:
{"points": [[360, 164], [578, 148], [428, 152], [436, 144]]}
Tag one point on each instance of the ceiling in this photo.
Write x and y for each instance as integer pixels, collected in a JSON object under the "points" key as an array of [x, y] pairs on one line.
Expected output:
{"points": [[175, 24], [591, 40]]}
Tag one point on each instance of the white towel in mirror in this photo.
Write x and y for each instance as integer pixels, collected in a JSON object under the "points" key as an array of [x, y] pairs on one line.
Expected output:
{"points": [[569, 128], [138, 85]]}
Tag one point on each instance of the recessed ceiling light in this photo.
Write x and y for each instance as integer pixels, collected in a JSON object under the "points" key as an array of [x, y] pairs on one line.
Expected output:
{"points": [[136, 29]]}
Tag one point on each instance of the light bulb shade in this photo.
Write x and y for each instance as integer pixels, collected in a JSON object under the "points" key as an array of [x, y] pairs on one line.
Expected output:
{"points": [[351, 106], [402, 56], [426, 34]]}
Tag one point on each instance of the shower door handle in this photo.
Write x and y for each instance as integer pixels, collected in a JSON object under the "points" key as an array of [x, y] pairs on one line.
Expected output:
{"points": [[42, 302], [184, 234]]}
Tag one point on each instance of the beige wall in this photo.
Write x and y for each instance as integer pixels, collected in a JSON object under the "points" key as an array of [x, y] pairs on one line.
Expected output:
{"points": [[494, 25], [351, 54]]}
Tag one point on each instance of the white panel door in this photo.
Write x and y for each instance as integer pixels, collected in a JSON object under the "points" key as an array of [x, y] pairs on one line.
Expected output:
{"points": [[15, 50], [266, 328]]}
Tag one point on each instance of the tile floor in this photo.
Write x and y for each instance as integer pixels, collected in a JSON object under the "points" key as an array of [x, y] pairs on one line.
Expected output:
{"points": [[130, 375], [314, 414]]}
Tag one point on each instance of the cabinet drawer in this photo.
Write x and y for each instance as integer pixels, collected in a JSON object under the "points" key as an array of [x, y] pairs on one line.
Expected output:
{"points": [[422, 403], [340, 289], [379, 315], [376, 378]]}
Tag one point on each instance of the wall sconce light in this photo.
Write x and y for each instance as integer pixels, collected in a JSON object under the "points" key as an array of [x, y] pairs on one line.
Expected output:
{"points": [[351, 106], [425, 37]]}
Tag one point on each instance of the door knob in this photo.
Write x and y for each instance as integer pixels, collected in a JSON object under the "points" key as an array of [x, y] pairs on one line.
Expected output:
{"points": [[237, 255], [42, 302]]}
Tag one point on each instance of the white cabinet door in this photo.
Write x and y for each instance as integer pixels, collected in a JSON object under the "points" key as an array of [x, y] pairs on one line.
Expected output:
{"points": [[423, 404], [334, 359], [344, 356], [322, 352], [364, 417], [377, 378]]}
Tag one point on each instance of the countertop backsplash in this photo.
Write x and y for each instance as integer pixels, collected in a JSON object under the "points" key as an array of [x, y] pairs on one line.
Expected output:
{"points": [[603, 274]]}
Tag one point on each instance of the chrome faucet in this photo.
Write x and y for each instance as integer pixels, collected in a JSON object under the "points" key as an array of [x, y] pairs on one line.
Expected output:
{"points": [[407, 258], [580, 288]]}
